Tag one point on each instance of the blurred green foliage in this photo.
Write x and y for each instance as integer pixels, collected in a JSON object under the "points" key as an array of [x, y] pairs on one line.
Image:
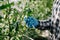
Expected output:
{"points": [[5, 6], [12, 25]]}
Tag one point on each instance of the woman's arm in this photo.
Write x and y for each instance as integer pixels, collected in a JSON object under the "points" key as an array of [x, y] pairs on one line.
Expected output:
{"points": [[41, 25], [45, 25]]}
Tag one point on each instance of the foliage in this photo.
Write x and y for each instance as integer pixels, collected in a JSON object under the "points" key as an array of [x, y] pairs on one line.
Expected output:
{"points": [[12, 25]]}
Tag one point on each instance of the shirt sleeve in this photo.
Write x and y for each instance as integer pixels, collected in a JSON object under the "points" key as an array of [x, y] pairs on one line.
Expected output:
{"points": [[45, 25]]}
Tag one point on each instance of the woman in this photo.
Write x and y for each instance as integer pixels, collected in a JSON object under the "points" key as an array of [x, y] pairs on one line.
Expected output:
{"points": [[52, 24]]}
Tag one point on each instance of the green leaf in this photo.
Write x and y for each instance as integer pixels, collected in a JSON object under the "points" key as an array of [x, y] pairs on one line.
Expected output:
{"points": [[6, 5], [1, 17], [1, 0]]}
